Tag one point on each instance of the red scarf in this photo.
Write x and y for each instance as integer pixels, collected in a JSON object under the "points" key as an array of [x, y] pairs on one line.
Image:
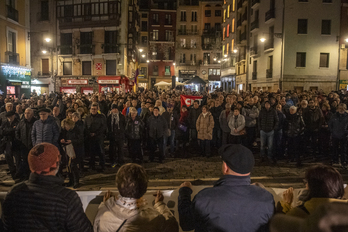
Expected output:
{"points": [[183, 116]]}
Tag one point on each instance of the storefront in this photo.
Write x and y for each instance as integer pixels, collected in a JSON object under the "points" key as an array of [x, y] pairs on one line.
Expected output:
{"points": [[41, 85], [111, 84], [343, 84], [228, 83], [15, 81], [68, 90], [87, 90]]}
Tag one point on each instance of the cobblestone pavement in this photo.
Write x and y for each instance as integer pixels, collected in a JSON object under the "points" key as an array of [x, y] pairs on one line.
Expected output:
{"points": [[199, 170]]}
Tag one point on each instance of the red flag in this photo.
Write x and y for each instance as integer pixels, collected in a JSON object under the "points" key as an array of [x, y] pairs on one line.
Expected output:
{"points": [[188, 100]]}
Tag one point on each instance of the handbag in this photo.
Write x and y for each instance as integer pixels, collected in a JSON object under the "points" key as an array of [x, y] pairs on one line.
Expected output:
{"points": [[69, 150], [242, 132], [182, 127]]}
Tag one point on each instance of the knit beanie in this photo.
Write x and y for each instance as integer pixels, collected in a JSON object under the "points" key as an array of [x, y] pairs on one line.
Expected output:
{"points": [[43, 158]]}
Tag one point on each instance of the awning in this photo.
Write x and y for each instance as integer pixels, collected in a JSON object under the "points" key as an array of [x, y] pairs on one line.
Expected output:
{"points": [[41, 81], [196, 80], [109, 80]]}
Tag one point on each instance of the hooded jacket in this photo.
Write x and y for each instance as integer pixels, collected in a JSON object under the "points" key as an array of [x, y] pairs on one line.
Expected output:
{"points": [[45, 131], [250, 113]]}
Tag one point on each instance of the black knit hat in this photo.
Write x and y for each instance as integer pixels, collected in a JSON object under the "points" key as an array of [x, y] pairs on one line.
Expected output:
{"points": [[238, 158], [156, 108], [10, 114], [114, 106]]}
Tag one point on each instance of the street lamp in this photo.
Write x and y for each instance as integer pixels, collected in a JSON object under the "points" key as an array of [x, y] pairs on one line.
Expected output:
{"points": [[147, 61], [235, 50], [262, 39], [219, 61], [214, 58], [347, 40], [141, 50], [174, 64], [48, 40], [225, 55], [44, 51], [143, 55]]}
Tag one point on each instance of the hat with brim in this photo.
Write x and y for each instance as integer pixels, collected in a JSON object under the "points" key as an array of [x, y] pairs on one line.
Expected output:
{"points": [[44, 110]]}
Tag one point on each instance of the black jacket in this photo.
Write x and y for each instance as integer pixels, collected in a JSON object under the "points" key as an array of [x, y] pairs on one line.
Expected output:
{"points": [[216, 111], [43, 204], [294, 125], [193, 116], [23, 132], [8, 131], [172, 119], [157, 126], [95, 124], [116, 131], [231, 205], [268, 120], [313, 118], [103, 106], [134, 128]]}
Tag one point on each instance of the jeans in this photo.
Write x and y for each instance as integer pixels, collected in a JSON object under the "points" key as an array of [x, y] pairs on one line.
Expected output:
{"points": [[267, 139], [205, 147], [217, 137], [116, 150], [154, 143], [278, 148], [171, 140], [312, 139], [96, 148]]}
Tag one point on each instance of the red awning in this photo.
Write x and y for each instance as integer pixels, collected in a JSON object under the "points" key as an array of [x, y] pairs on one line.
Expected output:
{"points": [[109, 80]]}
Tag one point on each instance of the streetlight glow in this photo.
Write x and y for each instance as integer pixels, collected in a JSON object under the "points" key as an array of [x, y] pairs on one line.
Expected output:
{"points": [[48, 40], [225, 55], [44, 51], [148, 61], [262, 40], [143, 55], [347, 40], [219, 61], [174, 64], [141, 50], [235, 50], [215, 59]]}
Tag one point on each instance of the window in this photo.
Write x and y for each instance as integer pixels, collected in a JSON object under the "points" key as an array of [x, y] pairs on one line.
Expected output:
{"points": [[233, 25], [110, 67], [86, 67], [194, 29], [67, 68], [223, 49], [85, 42], [206, 58], [182, 58], [224, 15], [183, 43], [183, 16], [155, 70], [326, 27], [232, 45], [11, 42], [217, 26], [302, 26], [45, 67], [44, 11], [301, 59], [207, 13], [155, 35], [155, 19], [12, 13], [144, 15], [143, 26], [167, 71], [143, 71], [193, 58], [227, 48], [207, 26], [110, 42], [324, 60], [228, 31], [228, 11], [66, 43], [233, 5], [169, 35], [168, 19], [193, 43], [144, 40], [194, 16], [223, 33], [183, 29], [254, 74], [218, 13]]}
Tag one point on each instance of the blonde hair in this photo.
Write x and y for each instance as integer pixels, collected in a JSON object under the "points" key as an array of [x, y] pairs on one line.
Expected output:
{"points": [[77, 114], [132, 110], [68, 122]]}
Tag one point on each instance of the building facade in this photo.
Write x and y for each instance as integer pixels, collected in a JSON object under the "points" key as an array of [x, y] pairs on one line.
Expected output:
{"points": [[15, 69], [144, 7], [343, 62]]}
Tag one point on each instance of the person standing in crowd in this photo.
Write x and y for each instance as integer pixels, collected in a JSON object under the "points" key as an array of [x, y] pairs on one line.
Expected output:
{"points": [[80, 150], [268, 121], [172, 121], [250, 113], [128, 211], [182, 132], [217, 133], [157, 127], [23, 136], [103, 105], [45, 129], [134, 132], [42, 199], [194, 113], [116, 124], [278, 134], [237, 127], [224, 120], [226, 206], [8, 108], [338, 128], [294, 128], [160, 107], [324, 132], [313, 119], [95, 128], [205, 125]]}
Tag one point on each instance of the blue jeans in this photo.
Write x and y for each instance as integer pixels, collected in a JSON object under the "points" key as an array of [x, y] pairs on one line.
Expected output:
{"points": [[267, 139], [171, 139]]}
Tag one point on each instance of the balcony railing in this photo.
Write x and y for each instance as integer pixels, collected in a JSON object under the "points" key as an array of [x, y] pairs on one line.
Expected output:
{"points": [[12, 13], [270, 15], [211, 31], [155, 73], [254, 25], [12, 58], [110, 48], [253, 2], [244, 17], [86, 48], [254, 76], [239, 22], [65, 49], [240, 4], [243, 36], [253, 51], [269, 45], [187, 32], [269, 73]]}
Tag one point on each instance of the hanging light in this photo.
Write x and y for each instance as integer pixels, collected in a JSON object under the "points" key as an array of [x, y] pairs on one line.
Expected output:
{"points": [[262, 40], [44, 51], [48, 40]]}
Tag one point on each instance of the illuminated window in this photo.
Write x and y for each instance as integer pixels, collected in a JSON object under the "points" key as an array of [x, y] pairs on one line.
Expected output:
{"points": [[225, 15], [232, 45], [223, 49], [228, 11], [228, 45], [228, 31], [233, 5], [223, 34], [233, 25]]}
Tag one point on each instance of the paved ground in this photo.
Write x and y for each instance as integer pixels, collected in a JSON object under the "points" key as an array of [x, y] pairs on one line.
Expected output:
{"points": [[199, 170]]}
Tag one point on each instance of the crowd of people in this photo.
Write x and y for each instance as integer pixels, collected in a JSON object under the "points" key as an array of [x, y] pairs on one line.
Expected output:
{"points": [[289, 126]]}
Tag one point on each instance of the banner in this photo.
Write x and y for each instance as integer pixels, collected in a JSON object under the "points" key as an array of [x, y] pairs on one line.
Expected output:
{"points": [[188, 100]]}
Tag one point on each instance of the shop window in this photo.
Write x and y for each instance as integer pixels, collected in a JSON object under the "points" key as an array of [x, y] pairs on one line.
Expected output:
{"points": [[45, 67], [86, 67], [67, 68], [111, 67]]}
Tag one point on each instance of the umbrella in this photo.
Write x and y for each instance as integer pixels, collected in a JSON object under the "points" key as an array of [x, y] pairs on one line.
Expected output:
{"points": [[161, 83], [196, 80], [179, 83]]}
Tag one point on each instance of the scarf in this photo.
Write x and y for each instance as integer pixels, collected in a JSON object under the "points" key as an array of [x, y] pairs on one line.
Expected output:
{"points": [[205, 114], [130, 203], [115, 119]]}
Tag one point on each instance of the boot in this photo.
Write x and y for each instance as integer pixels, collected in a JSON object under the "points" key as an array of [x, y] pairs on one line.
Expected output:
{"points": [[76, 177]]}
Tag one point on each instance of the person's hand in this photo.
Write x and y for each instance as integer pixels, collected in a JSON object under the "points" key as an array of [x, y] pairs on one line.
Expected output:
{"points": [[186, 184], [62, 141], [288, 195], [68, 141], [159, 196], [107, 195]]}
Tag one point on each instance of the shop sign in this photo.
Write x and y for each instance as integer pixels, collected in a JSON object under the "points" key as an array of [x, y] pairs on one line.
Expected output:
{"points": [[108, 81], [16, 71], [14, 83], [78, 82], [25, 87]]}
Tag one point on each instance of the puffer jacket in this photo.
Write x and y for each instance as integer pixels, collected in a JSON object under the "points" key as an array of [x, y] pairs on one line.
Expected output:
{"points": [[45, 131], [268, 120], [205, 126], [338, 124], [23, 132], [134, 128], [157, 126], [250, 113], [294, 125], [95, 124], [62, 207], [313, 118], [110, 217], [193, 116], [224, 121], [238, 124]]}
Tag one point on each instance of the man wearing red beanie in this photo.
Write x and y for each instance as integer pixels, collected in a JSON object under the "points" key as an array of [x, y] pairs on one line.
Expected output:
{"points": [[42, 203]]}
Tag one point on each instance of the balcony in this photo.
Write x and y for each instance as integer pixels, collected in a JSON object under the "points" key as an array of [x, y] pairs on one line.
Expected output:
{"points": [[12, 58], [242, 36], [254, 76], [269, 46], [239, 23], [254, 26], [211, 31], [269, 73], [207, 46], [254, 51], [244, 18], [270, 16], [86, 49], [255, 3], [187, 32], [240, 4], [65, 49], [110, 48], [12, 13]]}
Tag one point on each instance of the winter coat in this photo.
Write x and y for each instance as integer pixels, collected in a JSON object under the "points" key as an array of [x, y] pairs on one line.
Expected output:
{"points": [[205, 126], [338, 124], [313, 118], [95, 124], [157, 126], [134, 128], [281, 122], [239, 124], [250, 113], [45, 131], [193, 116], [268, 120], [117, 131], [233, 204], [327, 116], [77, 139], [294, 125], [172, 119], [103, 106], [224, 121], [23, 133], [184, 121], [158, 218], [3, 118], [8, 131], [216, 112], [43, 204]]}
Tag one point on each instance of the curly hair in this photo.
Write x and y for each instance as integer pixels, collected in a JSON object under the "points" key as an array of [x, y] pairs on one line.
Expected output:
{"points": [[131, 181]]}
